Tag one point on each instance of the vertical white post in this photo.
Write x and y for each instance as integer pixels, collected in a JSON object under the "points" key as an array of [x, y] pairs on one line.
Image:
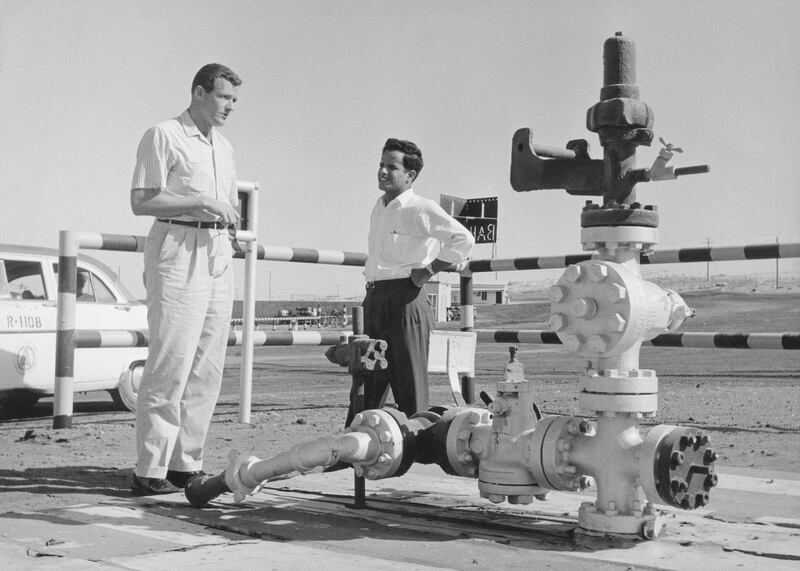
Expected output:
{"points": [[248, 303]]}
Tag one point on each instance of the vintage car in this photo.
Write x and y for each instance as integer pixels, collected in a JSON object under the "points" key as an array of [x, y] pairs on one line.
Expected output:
{"points": [[28, 293]]}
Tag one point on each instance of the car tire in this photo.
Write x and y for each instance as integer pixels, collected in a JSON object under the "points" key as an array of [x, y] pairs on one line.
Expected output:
{"points": [[19, 400], [124, 396]]}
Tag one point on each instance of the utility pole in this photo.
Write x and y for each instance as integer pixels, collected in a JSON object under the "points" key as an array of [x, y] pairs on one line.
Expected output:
{"points": [[708, 263]]}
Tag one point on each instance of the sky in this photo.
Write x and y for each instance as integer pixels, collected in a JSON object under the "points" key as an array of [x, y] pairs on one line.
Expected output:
{"points": [[327, 82]]}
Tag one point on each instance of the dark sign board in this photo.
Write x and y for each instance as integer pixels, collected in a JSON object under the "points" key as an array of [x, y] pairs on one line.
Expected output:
{"points": [[478, 215]]}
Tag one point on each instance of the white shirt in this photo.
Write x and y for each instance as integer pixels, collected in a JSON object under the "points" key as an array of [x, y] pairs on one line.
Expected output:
{"points": [[410, 232], [176, 158]]}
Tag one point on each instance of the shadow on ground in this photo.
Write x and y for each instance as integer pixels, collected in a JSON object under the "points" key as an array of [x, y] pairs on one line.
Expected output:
{"points": [[59, 480]]}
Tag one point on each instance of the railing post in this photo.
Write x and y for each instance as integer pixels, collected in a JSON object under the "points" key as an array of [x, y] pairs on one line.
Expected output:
{"points": [[249, 201], [65, 328], [359, 485], [467, 324]]}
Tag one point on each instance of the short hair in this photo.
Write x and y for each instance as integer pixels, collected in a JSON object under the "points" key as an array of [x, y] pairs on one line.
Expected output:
{"points": [[412, 156], [209, 73]]}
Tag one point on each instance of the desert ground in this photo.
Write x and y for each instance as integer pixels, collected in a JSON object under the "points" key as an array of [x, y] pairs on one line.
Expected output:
{"points": [[747, 400]]}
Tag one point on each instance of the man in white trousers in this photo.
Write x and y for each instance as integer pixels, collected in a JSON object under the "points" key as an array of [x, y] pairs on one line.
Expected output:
{"points": [[185, 177]]}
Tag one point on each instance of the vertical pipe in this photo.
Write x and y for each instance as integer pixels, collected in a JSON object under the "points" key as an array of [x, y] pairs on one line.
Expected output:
{"points": [[65, 328], [467, 324], [359, 488], [250, 218]]}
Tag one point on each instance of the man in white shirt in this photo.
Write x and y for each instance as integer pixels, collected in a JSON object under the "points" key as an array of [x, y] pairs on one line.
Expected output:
{"points": [[185, 177], [411, 239]]}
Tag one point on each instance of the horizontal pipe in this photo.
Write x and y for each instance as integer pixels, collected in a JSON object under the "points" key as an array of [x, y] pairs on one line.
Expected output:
{"points": [[347, 258], [106, 338], [697, 169], [86, 339], [323, 451], [275, 338], [93, 339], [309, 256], [721, 254], [553, 152], [703, 340]]}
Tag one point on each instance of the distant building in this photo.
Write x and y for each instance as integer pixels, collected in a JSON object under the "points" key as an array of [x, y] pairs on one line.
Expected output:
{"points": [[443, 295]]}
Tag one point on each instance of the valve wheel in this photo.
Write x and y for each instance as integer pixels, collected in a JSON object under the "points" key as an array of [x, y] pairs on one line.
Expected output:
{"points": [[683, 468]]}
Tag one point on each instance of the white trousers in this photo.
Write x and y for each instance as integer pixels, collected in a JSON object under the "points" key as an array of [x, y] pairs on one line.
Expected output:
{"points": [[189, 280]]}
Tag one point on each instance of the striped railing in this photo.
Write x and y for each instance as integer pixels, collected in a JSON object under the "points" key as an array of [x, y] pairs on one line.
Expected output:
{"points": [[67, 338], [721, 254], [704, 340]]}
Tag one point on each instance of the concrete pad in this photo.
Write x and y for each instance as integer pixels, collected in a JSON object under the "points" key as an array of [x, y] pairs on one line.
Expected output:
{"points": [[423, 520]]}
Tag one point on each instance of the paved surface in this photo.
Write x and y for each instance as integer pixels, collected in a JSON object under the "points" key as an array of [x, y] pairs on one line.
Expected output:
{"points": [[424, 520]]}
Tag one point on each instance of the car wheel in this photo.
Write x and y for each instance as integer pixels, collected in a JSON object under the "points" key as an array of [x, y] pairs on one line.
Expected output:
{"points": [[124, 396], [19, 400]]}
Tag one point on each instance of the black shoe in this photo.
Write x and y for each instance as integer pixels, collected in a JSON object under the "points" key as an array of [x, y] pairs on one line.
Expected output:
{"points": [[151, 486], [338, 466], [179, 479]]}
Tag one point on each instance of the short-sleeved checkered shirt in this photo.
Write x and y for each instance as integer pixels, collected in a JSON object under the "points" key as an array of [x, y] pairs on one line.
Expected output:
{"points": [[176, 158]]}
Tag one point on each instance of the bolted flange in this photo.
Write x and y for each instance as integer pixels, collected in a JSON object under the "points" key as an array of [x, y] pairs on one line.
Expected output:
{"points": [[677, 466], [388, 438]]}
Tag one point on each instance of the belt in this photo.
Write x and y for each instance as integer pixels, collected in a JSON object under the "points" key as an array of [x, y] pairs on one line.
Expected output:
{"points": [[387, 283], [194, 223]]}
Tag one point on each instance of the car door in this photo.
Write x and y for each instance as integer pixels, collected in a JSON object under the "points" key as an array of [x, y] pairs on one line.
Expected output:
{"points": [[101, 305], [27, 323]]}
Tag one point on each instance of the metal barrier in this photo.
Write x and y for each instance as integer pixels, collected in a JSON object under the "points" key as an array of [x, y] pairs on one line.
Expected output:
{"points": [[107, 338], [67, 338], [69, 242], [703, 340]]}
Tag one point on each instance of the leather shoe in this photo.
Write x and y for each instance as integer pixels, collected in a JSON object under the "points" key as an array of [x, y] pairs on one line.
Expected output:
{"points": [[151, 486], [179, 479]]}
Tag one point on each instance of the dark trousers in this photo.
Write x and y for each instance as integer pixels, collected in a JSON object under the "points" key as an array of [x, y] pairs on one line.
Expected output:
{"points": [[398, 312]]}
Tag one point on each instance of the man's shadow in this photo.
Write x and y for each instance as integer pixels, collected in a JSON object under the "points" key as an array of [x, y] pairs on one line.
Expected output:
{"points": [[59, 480]]}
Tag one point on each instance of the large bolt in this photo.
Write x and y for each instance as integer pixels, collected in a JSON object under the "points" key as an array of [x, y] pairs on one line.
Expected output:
{"points": [[573, 273], [597, 272], [557, 321], [385, 436], [495, 498], [710, 456], [374, 420], [557, 293], [614, 293], [615, 323], [677, 458], [710, 481], [584, 307], [572, 342], [587, 427], [597, 343], [524, 499]]}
